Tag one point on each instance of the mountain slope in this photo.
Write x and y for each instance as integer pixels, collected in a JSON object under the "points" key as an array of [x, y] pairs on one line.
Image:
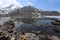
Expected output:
{"points": [[30, 11], [27, 11], [50, 13]]}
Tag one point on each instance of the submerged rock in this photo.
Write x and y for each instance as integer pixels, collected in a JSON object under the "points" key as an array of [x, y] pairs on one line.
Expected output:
{"points": [[9, 25]]}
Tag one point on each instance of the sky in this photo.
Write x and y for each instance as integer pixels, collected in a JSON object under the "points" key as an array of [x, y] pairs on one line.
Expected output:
{"points": [[46, 5]]}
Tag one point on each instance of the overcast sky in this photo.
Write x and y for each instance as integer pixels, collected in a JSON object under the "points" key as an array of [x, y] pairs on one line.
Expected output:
{"points": [[52, 5]]}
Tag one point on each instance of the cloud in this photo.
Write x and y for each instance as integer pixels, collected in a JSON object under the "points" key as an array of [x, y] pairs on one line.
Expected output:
{"points": [[4, 3], [28, 2]]}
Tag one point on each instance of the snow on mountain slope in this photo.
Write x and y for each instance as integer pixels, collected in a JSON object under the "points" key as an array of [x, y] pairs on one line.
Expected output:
{"points": [[8, 9], [8, 5]]}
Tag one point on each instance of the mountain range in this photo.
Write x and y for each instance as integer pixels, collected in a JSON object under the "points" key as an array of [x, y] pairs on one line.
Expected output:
{"points": [[26, 11]]}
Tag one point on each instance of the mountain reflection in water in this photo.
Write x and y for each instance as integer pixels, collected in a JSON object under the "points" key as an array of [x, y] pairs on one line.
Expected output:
{"points": [[34, 27]]}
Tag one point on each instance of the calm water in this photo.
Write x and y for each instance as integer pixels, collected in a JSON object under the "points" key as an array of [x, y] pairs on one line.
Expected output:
{"points": [[27, 27], [5, 19]]}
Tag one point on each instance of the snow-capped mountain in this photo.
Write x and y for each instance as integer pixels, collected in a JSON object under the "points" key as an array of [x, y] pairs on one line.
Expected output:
{"points": [[26, 11], [30, 11]]}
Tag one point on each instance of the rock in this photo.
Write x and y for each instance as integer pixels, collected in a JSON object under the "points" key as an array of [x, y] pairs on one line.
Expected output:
{"points": [[54, 38], [9, 25]]}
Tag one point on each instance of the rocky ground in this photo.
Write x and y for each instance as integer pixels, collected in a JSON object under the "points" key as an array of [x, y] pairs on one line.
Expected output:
{"points": [[7, 31]]}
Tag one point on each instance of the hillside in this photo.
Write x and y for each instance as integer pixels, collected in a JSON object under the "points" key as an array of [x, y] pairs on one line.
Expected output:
{"points": [[30, 11]]}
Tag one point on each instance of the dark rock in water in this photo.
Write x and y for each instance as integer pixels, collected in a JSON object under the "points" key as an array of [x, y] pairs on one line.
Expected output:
{"points": [[56, 22], [10, 31], [44, 39], [57, 30], [9, 25], [4, 38]]}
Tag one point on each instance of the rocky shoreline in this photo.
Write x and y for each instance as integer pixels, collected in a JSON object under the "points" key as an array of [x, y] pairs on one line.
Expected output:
{"points": [[38, 32]]}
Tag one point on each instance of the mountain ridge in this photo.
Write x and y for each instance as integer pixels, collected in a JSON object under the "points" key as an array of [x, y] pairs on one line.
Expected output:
{"points": [[28, 11]]}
